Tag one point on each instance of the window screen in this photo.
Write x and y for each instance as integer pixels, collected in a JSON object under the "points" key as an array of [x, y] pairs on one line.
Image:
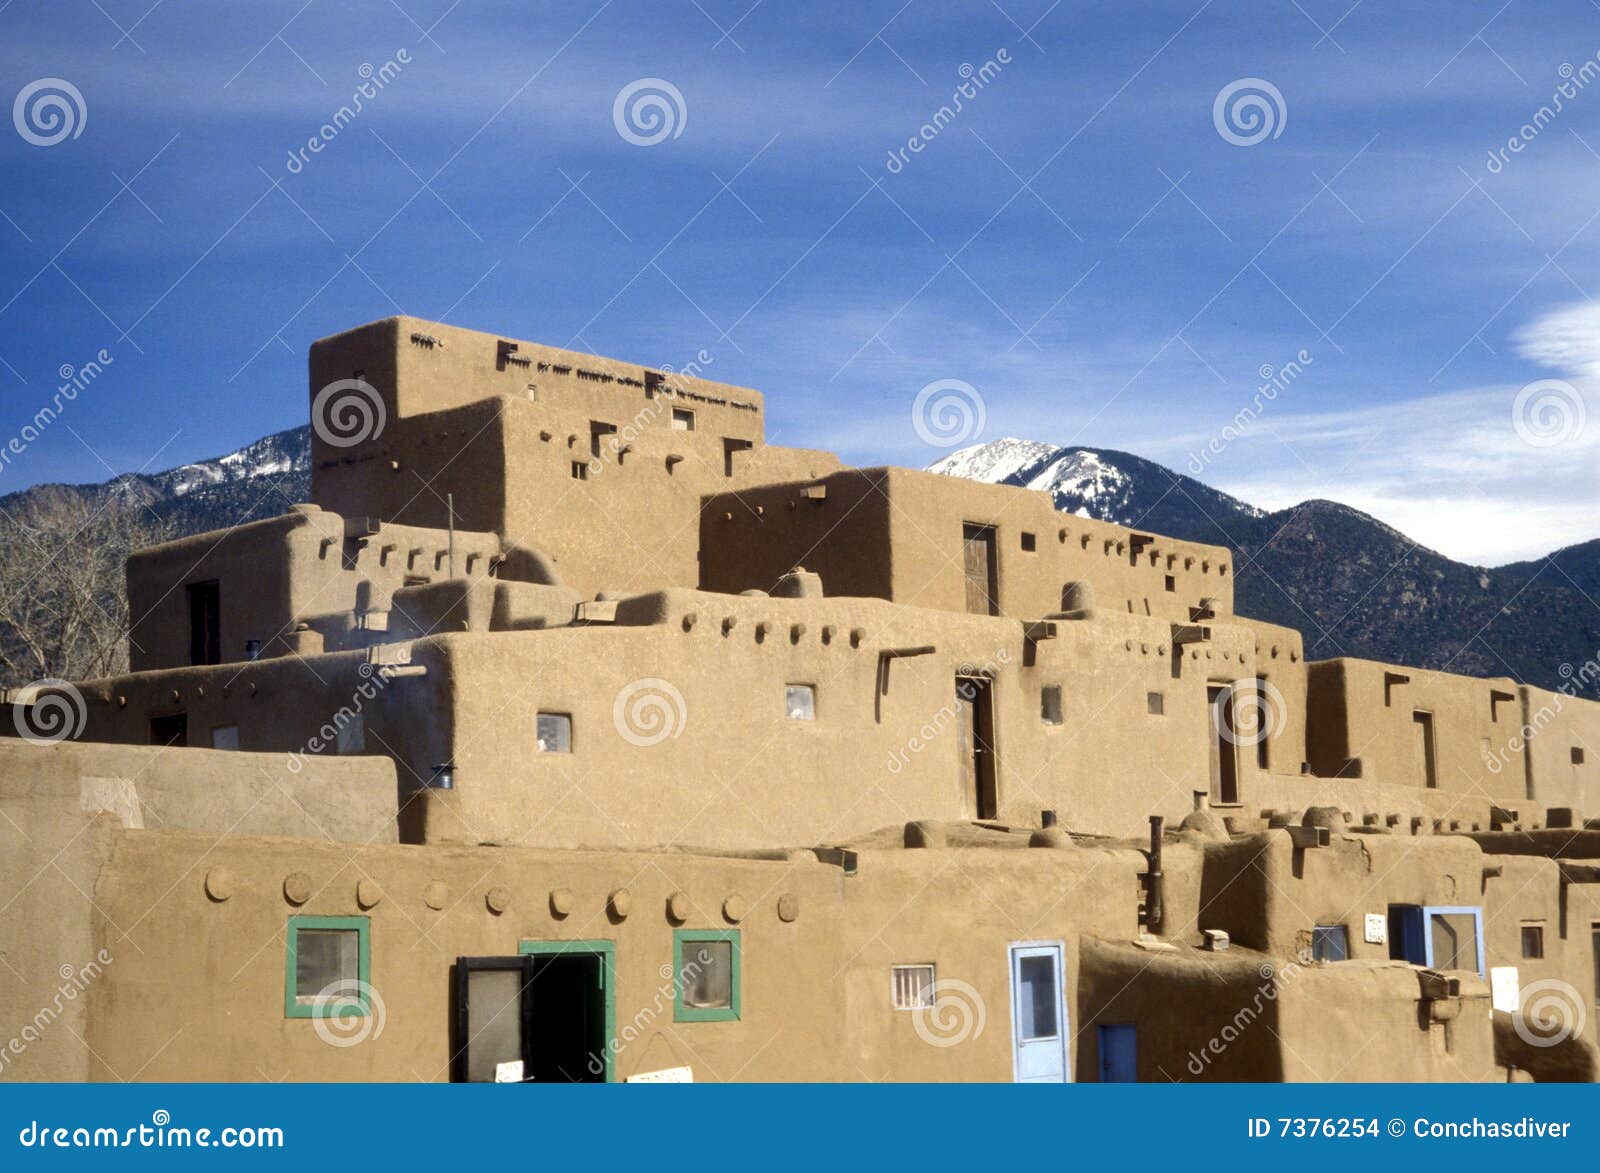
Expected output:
{"points": [[707, 974], [1330, 943], [327, 964], [494, 1021], [1037, 997], [1455, 940], [800, 702], [554, 732], [913, 986]]}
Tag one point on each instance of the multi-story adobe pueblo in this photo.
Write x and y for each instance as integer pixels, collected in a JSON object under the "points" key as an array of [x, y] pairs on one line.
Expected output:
{"points": [[572, 732]]}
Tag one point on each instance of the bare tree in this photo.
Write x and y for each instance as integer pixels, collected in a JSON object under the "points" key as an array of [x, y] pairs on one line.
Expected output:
{"points": [[63, 590]]}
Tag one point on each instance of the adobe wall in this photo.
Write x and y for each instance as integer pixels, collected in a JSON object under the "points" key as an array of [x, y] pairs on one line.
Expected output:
{"points": [[63, 808], [275, 574], [1361, 711], [751, 536], [1557, 730]]}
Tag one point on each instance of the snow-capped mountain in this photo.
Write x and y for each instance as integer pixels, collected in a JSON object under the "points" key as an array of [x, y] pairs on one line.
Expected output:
{"points": [[281, 452], [1101, 483], [1352, 585]]}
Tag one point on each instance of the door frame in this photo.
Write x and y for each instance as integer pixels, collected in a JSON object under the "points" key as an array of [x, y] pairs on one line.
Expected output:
{"points": [[1062, 1022], [608, 973]]}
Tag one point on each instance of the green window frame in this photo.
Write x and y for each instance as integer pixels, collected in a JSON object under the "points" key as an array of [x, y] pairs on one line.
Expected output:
{"points": [[728, 1013], [361, 1005]]}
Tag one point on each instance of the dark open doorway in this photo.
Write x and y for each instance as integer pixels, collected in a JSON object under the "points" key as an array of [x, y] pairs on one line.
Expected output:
{"points": [[979, 765], [1224, 751], [541, 1017]]}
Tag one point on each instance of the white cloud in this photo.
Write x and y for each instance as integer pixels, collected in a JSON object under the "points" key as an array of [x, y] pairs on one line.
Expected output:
{"points": [[1567, 339]]}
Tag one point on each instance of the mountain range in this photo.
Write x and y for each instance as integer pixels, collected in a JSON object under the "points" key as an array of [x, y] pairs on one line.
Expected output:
{"points": [[1350, 584]]}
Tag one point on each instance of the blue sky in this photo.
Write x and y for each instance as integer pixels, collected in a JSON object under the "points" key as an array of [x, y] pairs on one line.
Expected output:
{"points": [[1081, 243]]}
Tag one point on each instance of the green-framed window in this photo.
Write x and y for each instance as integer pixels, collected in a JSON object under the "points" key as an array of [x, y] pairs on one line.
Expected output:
{"points": [[327, 967], [706, 965]]}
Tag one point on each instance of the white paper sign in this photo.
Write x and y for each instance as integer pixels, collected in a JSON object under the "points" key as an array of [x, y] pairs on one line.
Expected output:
{"points": [[1377, 928], [1505, 989], [665, 1075], [508, 1072]]}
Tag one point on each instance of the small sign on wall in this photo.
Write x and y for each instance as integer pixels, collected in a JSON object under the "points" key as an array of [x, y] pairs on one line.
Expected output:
{"points": [[665, 1075], [1377, 929], [508, 1072]]}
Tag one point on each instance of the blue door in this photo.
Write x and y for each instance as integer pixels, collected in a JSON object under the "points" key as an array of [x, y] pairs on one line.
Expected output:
{"points": [[1119, 1053]]}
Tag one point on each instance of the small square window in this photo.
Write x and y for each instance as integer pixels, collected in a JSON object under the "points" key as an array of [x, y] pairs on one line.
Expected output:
{"points": [[554, 732], [1533, 942], [1029, 542], [327, 967], [580, 470], [224, 737], [707, 966], [1050, 704], [1330, 943], [353, 734], [682, 419], [912, 986], [800, 702], [1577, 755], [1172, 583], [1155, 704]]}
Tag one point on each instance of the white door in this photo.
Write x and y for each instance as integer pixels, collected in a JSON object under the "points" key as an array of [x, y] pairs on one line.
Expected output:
{"points": [[1038, 1013]]}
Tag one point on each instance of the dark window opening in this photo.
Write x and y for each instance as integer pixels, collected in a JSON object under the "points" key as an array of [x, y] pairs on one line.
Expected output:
{"points": [[1155, 704], [975, 743], [1533, 942], [1050, 704], [1427, 765], [1029, 543], [730, 455], [170, 729], [1224, 756], [1172, 583], [580, 470], [598, 431], [205, 622], [1577, 755], [682, 419]]}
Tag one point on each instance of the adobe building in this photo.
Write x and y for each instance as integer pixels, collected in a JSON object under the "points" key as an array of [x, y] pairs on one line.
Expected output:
{"points": [[572, 732]]}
